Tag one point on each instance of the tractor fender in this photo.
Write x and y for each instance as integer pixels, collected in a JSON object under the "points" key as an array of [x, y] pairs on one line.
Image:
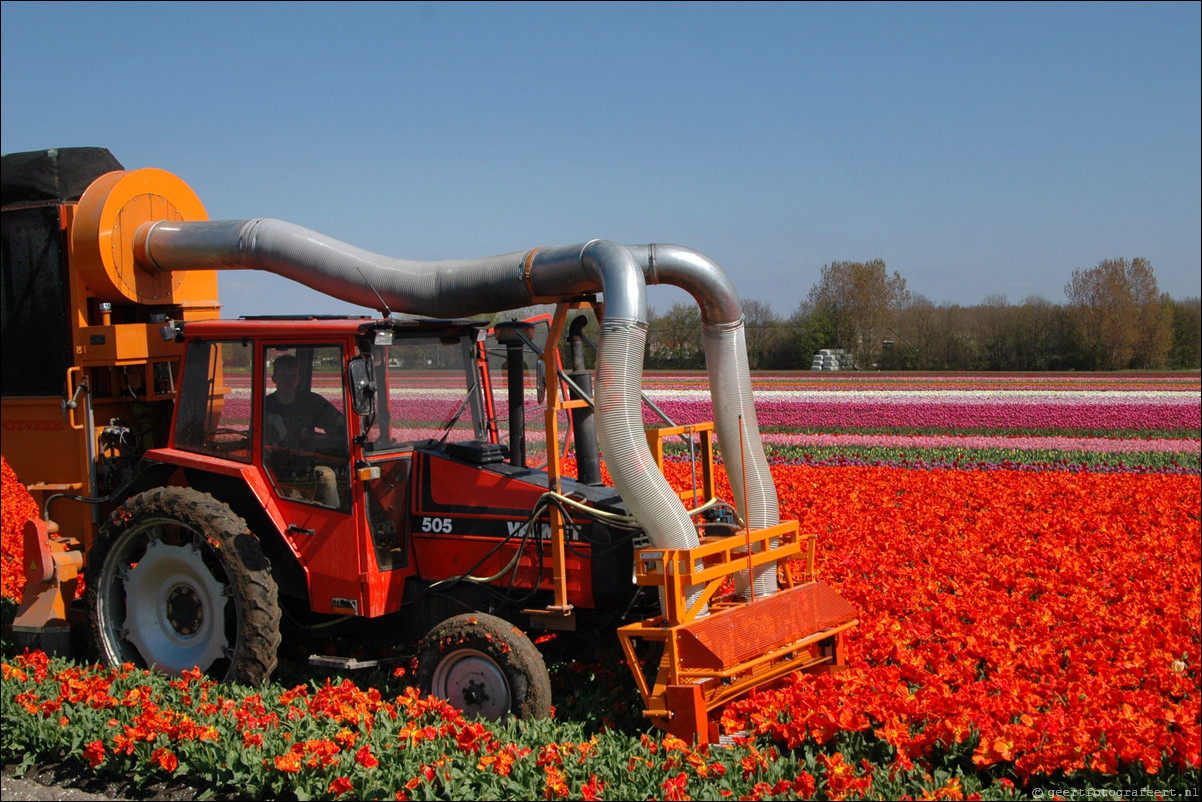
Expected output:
{"points": [[246, 493]]}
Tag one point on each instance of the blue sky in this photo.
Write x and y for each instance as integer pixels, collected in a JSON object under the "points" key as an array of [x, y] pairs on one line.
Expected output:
{"points": [[979, 149]]}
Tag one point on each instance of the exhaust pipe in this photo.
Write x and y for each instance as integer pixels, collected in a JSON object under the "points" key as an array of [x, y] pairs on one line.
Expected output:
{"points": [[461, 288], [588, 458]]}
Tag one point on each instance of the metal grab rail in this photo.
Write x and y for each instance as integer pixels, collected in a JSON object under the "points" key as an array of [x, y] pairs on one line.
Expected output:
{"points": [[720, 558]]}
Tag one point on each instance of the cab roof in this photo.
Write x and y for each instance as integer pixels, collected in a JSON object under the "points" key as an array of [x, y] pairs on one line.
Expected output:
{"points": [[308, 326]]}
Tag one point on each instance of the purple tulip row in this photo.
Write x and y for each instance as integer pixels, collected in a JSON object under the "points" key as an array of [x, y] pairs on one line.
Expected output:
{"points": [[883, 414], [906, 382]]}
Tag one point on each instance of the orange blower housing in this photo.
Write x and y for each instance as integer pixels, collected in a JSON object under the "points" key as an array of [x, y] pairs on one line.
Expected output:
{"points": [[80, 318]]}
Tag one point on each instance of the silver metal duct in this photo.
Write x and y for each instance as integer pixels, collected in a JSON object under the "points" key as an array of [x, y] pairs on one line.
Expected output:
{"points": [[456, 288], [730, 386]]}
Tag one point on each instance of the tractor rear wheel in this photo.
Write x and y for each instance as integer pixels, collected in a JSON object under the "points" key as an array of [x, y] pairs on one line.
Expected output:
{"points": [[176, 581], [484, 666]]}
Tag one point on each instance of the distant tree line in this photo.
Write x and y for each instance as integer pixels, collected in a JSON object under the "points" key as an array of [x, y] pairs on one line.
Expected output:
{"points": [[1115, 318]]}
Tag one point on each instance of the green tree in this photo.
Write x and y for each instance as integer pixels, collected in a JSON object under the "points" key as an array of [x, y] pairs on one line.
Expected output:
{"points": [[674, 340], [806, 332], [1119, 309], [863, 300], [1186, 350], [1036, 331], [760, 330], [994, 332]]}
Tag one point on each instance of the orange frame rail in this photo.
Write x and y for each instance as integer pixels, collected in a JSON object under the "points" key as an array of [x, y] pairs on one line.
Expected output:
{"points": [[720, 647], [713, 646]]}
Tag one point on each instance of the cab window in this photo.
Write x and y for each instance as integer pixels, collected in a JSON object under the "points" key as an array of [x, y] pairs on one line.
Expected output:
{"points": [[214, 400], [306, 449]]}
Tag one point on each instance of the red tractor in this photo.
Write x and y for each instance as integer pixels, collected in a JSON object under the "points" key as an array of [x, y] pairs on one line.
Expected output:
{"points": [[216, 479]]}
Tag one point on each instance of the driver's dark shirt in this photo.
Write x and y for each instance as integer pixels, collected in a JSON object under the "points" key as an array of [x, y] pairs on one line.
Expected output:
{"points": [[307, 412]]}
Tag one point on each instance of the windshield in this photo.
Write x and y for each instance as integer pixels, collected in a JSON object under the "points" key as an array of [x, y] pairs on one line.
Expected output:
{"points": [[432, 392], [534, 400]]}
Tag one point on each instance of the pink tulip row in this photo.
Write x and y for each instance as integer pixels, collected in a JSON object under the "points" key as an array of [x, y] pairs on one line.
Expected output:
{"points": [[432, 406], [1095, 444], [855, 408]]}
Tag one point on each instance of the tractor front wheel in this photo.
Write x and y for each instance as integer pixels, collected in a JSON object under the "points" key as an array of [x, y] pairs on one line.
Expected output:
{"points": [[175, 581], [486, 667]]}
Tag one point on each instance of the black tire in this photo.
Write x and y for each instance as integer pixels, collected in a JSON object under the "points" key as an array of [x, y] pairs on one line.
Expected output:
{"points": [[486, 667], [175, 581]]}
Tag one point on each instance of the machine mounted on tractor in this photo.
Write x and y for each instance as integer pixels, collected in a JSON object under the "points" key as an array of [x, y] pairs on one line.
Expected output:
{"points": [[211, 479]]}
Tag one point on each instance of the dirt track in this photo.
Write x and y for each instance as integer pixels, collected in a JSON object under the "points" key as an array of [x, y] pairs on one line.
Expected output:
{"points": [[55, 782]]}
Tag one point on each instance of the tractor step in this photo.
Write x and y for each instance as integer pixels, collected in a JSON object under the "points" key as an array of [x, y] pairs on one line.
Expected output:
{"points": [[340, 663]]}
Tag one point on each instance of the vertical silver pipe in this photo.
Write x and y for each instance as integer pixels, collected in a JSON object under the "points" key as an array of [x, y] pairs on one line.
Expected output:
{"points": [[735, 420]]}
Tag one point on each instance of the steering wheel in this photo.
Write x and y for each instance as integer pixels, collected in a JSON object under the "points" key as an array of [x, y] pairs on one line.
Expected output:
{"points": [[226, 440], [210, 433]]}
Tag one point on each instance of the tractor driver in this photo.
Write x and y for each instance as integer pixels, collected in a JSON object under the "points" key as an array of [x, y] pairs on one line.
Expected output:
{"points": [[302, 421]]}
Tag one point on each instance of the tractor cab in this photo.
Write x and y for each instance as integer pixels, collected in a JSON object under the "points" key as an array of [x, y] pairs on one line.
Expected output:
{"points": [[312, 428], [374, 455]]}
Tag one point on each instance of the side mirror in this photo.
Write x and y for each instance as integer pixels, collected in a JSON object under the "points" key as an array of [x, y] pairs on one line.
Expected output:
{"points": [[363, 385]]}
